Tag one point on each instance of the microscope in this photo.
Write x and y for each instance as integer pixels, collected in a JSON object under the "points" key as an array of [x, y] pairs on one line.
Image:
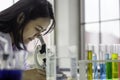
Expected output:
{"points": [[40, 54]]}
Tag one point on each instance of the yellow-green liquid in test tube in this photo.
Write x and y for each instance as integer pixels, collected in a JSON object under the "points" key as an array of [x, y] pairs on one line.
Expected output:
{"points": [[89, 72], [114, 66], [89, 65]]}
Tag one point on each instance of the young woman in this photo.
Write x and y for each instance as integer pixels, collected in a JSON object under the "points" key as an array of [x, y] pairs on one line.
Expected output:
{"points": [[21, 23]]}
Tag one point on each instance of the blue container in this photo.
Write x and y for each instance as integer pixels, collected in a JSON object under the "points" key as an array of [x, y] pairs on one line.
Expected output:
{"points": [[10, 74]]}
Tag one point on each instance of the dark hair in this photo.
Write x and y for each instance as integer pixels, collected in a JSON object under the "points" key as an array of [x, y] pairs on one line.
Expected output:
{"points": [[30, 10]]}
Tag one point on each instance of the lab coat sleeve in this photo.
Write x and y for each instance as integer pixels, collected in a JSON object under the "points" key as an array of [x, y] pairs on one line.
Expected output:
{"points": [[23, 54], [8, 38], [29, 62], [27, 66]]}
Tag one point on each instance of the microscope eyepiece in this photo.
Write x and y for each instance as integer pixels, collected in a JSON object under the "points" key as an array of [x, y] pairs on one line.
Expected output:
{"points": [[43, 47]]}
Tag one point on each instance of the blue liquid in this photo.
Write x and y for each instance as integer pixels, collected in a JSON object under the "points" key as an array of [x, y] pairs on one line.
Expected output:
{"points": [[10, 74], [102, 71], [95, 68], [107, 56]]}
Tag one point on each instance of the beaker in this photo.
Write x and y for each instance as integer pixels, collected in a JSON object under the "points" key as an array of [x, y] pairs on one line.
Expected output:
{"points": [[62, 68], [11, 68]]}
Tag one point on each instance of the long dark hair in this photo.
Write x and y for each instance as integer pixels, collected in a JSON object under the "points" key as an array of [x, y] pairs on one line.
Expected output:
{"points": [[30, 10]]}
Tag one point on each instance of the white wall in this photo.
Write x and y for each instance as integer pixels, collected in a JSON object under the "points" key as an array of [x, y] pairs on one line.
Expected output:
{"points": [[67, 31], [5, 4], [67, 24]]}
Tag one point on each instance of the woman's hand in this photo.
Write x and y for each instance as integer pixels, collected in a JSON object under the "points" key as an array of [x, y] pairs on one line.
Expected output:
{"points": [[34, 74]]}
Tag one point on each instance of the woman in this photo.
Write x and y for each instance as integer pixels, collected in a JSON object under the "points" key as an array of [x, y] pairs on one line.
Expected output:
{"points": [[21, 23]]}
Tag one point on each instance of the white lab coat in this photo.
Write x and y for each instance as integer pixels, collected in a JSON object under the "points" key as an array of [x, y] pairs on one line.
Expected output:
{"points": [[12, 49]]}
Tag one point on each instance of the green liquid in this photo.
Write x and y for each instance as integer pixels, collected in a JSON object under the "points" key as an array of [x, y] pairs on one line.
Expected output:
{"points": [[109, 71], [119, 67], [108, 67], [89, 71], [115, 67]]}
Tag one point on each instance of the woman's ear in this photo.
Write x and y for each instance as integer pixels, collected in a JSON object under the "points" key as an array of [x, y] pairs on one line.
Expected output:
{"points": [[21, 18]]}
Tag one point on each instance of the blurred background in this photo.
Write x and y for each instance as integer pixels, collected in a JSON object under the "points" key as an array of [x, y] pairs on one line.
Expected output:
{"points": [[80, 22]]}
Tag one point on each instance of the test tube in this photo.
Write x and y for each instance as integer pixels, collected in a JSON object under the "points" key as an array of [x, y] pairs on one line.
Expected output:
{"points": [[89, 65], [102, 64], [108, 64], [119, 60], [95, 69], [114, 64]]}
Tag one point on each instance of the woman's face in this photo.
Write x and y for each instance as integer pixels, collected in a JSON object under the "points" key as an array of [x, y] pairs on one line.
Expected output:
{"points": [[35, 28]]}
